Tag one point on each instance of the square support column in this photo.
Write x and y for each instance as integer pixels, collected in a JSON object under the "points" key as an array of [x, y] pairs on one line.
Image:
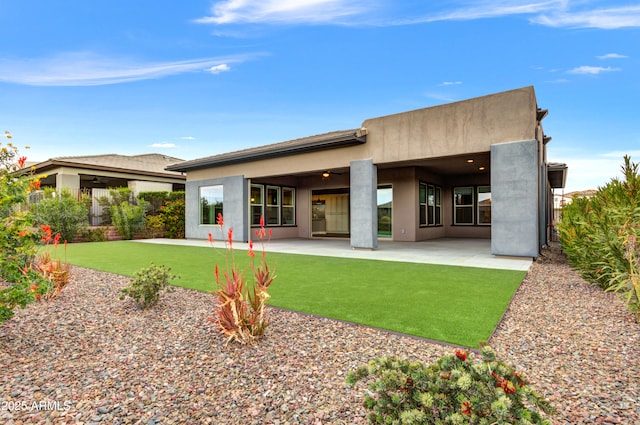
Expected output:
{"points": [[364, 205], [515, 197]]}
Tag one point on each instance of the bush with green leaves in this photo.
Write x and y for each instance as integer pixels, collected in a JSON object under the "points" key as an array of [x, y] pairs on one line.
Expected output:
{"points": [[148, 284], [129, 219], [154, 200], [453, 390], [117, 195], [600, 235], [65, 214], [173, 217], [18, 240]]}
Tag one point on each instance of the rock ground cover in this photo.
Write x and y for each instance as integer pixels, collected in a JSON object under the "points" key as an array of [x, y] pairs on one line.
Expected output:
{"points": [[88, 357]]}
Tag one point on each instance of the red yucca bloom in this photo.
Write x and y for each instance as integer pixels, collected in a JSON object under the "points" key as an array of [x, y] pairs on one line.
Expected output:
{"points": [[21, 161], [210, 238], [466, 408], [220, 220], [47, 233], [461, 355], [230, 236], [56, 239], [217, 273], [250, 253], [261, 221]]}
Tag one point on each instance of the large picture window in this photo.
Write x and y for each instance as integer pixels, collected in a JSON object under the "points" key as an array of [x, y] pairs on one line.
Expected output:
{"points": [[211, 198], [472, 205], [430, 205], [275, 203]]}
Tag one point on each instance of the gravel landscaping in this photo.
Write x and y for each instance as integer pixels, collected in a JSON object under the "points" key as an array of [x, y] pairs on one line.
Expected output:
{"points": [[89, 357]]}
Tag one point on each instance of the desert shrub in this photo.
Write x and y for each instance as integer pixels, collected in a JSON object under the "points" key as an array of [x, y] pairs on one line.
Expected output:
{"points": [[65, 214], [173, 218], [600, 235], [148, 284], [455, 389], [129, 219], [240, 305]]}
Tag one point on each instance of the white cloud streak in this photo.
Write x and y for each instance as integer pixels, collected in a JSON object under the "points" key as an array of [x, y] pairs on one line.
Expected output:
{"points": [[612, 56], [164, 145], [553, 13], [603, 18], [217, 69], [281, 11], [88, 69], [592, 70]]}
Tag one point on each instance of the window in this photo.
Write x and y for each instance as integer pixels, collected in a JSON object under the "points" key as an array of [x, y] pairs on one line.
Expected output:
{"points": [[466, 200], [430, 205], [288, 206], [276, 204], [463, 205], [484, 205], [273, 206], [257, 204], [210, 203]]}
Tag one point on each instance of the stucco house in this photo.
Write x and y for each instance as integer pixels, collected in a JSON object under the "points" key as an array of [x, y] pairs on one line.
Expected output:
{"points": [[470, 169], [95, 174]]}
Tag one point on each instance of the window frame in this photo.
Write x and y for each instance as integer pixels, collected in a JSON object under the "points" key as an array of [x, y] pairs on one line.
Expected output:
{"points": [[457, 206], [218, 208], [478, 206], [279, 206], [430, 214]]}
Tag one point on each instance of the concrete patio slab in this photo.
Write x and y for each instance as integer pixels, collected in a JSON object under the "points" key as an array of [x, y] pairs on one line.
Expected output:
{"points": [[448, 251]]}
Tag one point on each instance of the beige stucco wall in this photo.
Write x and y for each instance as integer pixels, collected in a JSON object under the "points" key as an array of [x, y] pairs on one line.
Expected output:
{"points": [[458, 128], [453, 129]]}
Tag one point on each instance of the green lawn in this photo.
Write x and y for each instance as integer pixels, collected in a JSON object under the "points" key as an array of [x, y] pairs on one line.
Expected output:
{"points": [[459, 305]]}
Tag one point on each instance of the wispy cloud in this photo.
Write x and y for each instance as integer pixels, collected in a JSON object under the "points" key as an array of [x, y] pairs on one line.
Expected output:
{"points": [[281, 11], [88, 69], [188, 138], [554, 13], [164, 145], [603, 18], [217, 69], [451, 83], [612, 56], [592, 70]]}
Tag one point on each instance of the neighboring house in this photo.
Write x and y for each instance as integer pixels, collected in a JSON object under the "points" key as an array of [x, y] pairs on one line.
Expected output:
{"points": [[96, 173], [560, 200], [470, 169]]}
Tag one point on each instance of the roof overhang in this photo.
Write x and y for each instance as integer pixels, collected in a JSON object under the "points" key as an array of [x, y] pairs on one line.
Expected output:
{"points": [[52, 164], [333, 140], [557, 174]]}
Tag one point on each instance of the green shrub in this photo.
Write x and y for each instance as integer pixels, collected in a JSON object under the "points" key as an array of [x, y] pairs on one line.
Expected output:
{"points": [[64, 213], [154, 200], [173, 217], [154, 226], [97, 234], [454, 389], [147, 285], [600, 234], [117, 195], [128, 219]]}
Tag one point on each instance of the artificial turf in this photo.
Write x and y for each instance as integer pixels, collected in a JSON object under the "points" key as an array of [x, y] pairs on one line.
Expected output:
{"points": [[458, 305]]}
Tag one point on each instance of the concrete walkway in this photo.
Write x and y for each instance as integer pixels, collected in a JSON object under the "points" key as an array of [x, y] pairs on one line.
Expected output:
{"points": [[455, 252]]}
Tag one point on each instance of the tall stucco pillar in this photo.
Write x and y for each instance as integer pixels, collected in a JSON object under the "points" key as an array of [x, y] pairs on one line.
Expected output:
{"points": [[67, 181], [235, 209], [515, 191], [363, 203]]}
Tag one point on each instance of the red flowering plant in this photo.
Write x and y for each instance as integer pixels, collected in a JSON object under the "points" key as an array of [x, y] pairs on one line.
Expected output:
{"points": [[455, 389], [18, 241], [240, 306], [53, 270]]}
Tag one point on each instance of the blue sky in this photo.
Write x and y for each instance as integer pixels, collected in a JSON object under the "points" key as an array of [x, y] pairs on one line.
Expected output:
{"points": [[197, 78]]}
